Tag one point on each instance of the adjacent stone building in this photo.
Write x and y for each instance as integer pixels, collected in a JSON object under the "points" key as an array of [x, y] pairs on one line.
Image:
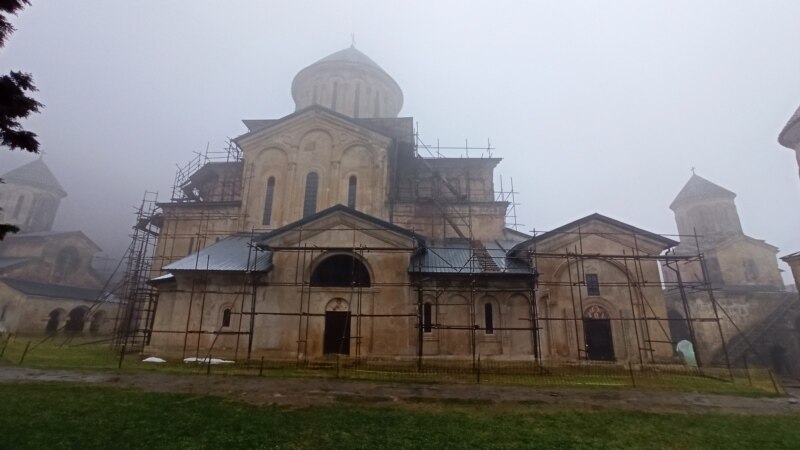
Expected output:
{"points": [[47, 283], [332, 235], [790, 138], [759, 317]]}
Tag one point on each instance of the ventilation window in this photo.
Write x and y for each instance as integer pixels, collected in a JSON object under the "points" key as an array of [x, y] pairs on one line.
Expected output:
{"points": [[427, 317], [226, 317], [310, 200], [351, 192], [268, 201], [488, 317]]}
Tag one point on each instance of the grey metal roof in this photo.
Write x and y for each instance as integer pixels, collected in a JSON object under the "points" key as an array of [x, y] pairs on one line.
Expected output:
{"points": [[466, 257], [235, 253], [6, 263], [57, 291]]}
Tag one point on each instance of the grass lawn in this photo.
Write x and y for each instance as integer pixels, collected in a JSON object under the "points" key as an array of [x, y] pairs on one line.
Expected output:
{"points": [[61, 353], [60, 415]]}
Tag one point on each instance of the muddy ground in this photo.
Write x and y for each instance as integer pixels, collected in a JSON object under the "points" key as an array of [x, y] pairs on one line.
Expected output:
{"points": [[307, 392]]}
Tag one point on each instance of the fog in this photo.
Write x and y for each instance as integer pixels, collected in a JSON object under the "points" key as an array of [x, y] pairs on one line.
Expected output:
{"points": [[594, 106]]}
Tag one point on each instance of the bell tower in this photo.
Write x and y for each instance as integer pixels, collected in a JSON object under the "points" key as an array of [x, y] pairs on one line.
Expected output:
{"points": [[707, 208], [30, 197]]}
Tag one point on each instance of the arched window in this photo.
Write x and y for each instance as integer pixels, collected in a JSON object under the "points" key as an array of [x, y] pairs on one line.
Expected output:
{"points": [[488, 318], [427, 317], [335, 92], [18, 208], [340, 271], [268, 201], [226, 317], [310, 200], [351, 192]]}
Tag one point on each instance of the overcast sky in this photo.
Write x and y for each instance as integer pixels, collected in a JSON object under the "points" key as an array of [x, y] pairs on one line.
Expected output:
{"points": [[594, 106]]}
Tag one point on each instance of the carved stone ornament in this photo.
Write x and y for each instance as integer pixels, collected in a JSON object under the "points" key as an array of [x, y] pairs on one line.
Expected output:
{"points": [[595, 312], [337, 304]]}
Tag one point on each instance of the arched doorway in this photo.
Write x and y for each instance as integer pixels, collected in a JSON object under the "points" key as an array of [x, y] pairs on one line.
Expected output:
{"points": [[76, 320], [54, 320], [336, 338], [597, 334]]}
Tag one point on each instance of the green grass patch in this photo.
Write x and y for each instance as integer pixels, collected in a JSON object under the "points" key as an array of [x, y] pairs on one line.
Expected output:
{"points": [[59, 415], [61, 353]]}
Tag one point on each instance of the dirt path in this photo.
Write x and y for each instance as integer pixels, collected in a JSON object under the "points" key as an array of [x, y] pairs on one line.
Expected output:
{"points": [[308, 391]]}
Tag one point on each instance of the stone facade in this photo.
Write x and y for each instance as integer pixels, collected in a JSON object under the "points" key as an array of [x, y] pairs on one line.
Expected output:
{"points": [[47, 283], [331, 235], [758, 318]]}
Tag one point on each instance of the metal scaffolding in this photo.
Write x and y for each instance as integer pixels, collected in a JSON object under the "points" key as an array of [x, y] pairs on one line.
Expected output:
{"points": [[160, 238]]}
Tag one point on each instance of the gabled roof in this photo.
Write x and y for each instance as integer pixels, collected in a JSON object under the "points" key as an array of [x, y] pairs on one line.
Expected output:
{"points": [[49, 234], [666, 242], [462, 257], [790, 135], [7, 263], [57, 291], [37, 174], [791, 257], [339, 208], [231, 254], [699, 188], [266, 125]]}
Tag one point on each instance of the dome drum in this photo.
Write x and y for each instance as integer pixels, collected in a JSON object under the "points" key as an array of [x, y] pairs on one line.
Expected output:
{"points": [[349, 83]]}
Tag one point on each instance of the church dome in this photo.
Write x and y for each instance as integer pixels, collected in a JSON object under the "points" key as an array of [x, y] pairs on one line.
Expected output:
{"points": [[350, 83], [790, 135]]}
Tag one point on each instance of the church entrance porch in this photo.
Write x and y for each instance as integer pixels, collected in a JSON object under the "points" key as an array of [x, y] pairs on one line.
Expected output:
{"points": [[337, 333]]}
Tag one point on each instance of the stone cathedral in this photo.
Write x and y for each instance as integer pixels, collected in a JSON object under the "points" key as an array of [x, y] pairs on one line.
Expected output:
{"points": [[330, 234]]}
